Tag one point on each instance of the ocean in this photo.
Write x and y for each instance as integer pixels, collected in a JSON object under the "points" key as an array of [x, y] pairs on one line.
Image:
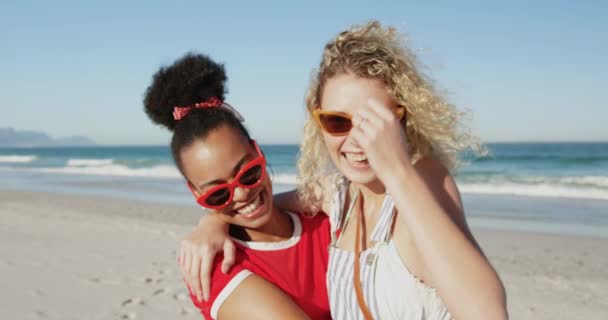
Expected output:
{"points": [[563, 182]]}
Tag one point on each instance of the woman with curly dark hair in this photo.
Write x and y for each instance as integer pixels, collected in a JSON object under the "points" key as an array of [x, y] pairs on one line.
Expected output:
{"points": [[281, 257]]}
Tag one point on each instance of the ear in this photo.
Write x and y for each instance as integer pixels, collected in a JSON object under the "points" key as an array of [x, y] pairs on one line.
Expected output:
{"points": [[401, 113], [195, 192]]}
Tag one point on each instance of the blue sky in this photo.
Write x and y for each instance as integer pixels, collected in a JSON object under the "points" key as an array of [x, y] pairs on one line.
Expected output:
{"points": [[527, 70]]}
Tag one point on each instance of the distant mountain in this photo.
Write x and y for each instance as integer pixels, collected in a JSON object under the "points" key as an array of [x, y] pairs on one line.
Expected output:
{"points": [[10, 137]]}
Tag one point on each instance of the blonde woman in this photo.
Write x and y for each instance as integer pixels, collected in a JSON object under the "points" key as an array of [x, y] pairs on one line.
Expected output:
{"points": [[376, 157]]}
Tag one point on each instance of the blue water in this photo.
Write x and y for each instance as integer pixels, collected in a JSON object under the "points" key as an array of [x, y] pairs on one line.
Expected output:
{"points": [[561, 187], [144, 161], [140, 172], [566, 170]]}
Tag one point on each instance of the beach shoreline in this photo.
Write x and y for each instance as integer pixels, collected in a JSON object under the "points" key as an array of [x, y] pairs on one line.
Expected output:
{"points": [[90, 257]]}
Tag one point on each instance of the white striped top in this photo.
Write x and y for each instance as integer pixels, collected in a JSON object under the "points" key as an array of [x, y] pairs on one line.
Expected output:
{"points": [[390, 290]]}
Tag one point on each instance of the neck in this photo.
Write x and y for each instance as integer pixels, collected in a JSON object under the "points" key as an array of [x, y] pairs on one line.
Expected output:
{"points": [[374, 188], [372, 195], [278, 228]]}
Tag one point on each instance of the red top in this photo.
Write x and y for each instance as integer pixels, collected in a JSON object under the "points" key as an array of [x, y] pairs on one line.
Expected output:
{"points": [[297, 266]]}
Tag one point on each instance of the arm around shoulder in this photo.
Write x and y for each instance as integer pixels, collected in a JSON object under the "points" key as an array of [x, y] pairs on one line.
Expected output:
{"points": [[320, 188]]}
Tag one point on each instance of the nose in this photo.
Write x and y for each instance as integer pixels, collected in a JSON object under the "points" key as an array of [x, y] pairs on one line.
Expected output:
{"points": [[350, 141], [240, 194]]}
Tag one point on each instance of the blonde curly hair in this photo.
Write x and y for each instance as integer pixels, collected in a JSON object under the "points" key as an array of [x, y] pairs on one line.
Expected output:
{"points": [[433, 126]]}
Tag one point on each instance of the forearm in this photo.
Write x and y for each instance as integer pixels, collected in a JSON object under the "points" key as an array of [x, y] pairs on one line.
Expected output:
{"points": [[289, 201], [209, 221], [464, 278]]}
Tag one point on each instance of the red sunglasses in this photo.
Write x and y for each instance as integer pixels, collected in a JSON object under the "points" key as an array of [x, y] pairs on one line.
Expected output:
{"points": [[249, 176]]}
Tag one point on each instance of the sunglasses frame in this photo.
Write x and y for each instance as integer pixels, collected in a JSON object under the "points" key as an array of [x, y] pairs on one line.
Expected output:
{"points": [[234, 182], [318, 112]]}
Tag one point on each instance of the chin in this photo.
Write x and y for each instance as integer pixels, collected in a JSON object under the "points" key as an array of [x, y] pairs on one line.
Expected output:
{"points": [[360, 178], [357, 175], [261, 216], [259, 222]]}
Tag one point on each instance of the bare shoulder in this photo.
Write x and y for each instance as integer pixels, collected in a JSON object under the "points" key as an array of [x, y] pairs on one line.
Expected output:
{"points": [[443, 186], [256, 298]]}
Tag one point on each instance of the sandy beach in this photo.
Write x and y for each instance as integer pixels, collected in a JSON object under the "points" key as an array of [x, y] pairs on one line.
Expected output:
{"points": [[84, 257]]}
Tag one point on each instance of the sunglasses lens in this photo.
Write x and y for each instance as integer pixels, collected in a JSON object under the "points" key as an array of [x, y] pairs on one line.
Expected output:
{"points": [[335, 123], [219, 197], [251, 176]]}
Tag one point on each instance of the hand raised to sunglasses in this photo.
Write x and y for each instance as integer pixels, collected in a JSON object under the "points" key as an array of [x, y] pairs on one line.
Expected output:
{"points": [[378, 131]]}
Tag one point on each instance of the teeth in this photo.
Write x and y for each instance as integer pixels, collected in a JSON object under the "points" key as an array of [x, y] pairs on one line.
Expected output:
{"points": [[254, 205], [358, 157]]}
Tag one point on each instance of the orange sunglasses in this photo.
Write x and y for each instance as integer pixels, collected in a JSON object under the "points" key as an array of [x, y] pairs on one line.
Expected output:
{"points": [[339, 123]]}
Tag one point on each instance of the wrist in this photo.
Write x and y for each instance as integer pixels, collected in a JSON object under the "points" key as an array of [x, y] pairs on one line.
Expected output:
{"points": [[398, 176]]}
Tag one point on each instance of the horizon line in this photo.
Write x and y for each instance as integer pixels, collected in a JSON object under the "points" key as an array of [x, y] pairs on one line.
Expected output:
{"points": [[297, 144]]}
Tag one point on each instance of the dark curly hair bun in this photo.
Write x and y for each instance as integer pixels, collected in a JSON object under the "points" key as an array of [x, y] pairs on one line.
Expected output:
{"points": [[191, 79]]}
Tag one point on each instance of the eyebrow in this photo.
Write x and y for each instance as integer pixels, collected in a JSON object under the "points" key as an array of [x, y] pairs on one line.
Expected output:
{"points": [[332, 108], [234, 172]]}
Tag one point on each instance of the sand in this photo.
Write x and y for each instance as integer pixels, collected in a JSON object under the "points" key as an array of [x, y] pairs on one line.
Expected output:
{"points": [[84, 257]]}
